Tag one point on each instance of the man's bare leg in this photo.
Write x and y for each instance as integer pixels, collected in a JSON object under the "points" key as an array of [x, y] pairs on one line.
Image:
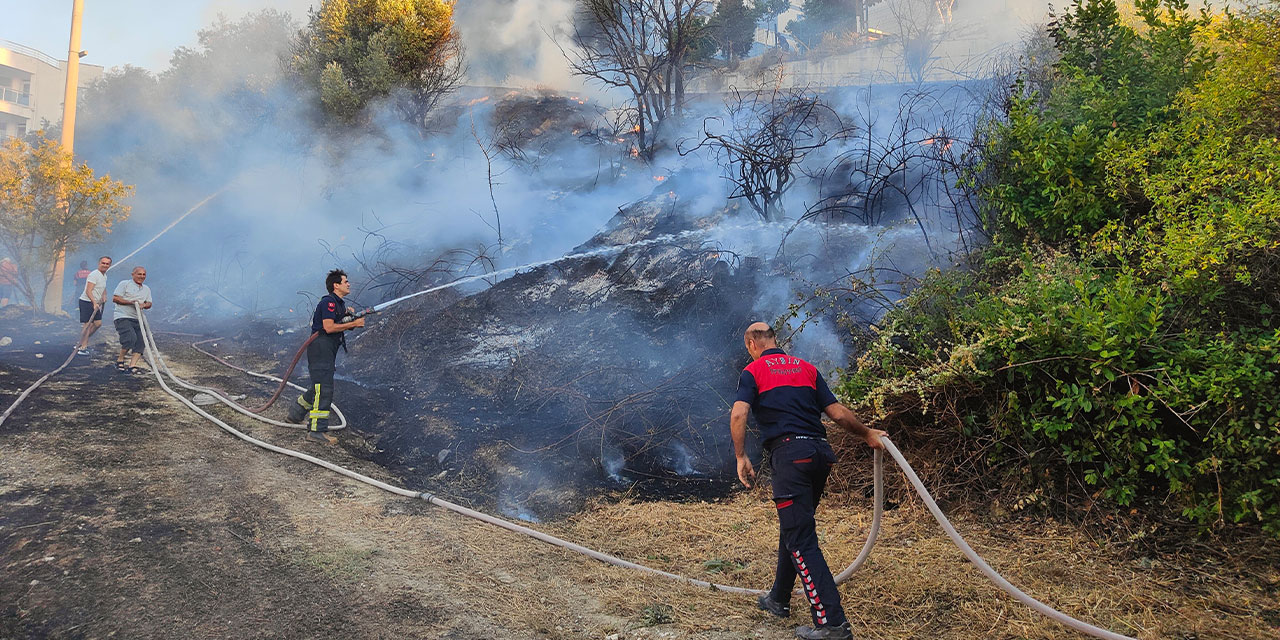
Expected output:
{"points": [[84, 344]]}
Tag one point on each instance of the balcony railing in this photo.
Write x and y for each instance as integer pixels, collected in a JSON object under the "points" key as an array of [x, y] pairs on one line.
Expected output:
{"points": [[28, 51], [16, 97]]}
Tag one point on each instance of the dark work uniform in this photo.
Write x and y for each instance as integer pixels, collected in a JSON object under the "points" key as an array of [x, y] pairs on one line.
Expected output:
{"points": [[322, 355], [787, 397]]}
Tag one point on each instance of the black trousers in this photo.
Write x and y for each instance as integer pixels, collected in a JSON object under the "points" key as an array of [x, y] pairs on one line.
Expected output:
{"points": [[313, 404], [800, 468]]}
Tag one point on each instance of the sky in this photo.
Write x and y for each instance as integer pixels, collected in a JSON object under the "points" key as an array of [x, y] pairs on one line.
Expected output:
{"points": [[142, 33]]}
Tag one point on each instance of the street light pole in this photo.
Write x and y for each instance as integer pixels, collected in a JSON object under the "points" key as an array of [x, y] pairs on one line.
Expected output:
{"points": [[53, 295]]}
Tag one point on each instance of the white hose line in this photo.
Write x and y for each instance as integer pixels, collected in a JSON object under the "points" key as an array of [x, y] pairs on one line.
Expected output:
{"points": [[152, 352], [265, 376], [876, 513], [84, 333], [23, 396], [222, 397], [1039, 607], [968, 552]]}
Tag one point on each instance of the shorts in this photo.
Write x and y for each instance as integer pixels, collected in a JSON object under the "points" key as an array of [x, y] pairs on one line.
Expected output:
{"points": [[130, 334], [87, 314]]}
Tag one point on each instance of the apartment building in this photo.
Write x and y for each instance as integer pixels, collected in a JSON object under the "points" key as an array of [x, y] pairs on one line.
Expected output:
{"points": [[32, 85]]}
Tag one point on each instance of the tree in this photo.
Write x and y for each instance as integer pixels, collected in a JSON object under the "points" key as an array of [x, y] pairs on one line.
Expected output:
{"points": [[49, 207], [733, 26], [356, 52], [766, 136], [821, 17], [768, 11], [644, 47], [922, 26]]}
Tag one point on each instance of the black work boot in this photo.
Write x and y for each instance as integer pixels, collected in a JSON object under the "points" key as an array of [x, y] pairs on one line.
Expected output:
{"points": [[780, 609], [297, 414], [842, 632]]}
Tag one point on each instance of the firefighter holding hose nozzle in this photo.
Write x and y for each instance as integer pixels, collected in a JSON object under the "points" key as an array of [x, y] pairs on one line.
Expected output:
{"points": [[330, 327]]}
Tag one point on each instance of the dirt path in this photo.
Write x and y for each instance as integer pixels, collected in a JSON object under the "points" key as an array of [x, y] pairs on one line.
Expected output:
{"points": [[122, 514]]}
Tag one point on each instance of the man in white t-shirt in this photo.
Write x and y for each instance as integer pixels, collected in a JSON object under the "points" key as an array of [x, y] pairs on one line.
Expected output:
{"points": [[92, 301], [127, 325]]}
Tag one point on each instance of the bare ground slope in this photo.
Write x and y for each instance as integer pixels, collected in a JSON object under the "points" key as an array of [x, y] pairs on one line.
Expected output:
{"points": [[122, 514]]}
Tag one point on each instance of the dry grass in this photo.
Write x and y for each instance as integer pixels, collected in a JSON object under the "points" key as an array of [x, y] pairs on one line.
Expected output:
{"points": [[917, 585]]}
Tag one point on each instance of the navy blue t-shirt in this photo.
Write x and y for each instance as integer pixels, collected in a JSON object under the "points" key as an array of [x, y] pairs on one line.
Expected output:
{"points": [[787, 395], [331, 307]]}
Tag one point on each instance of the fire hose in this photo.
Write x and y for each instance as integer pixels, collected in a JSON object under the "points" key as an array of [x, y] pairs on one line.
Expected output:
{"points": [[283, 380], [84, 334], [158, 366]]}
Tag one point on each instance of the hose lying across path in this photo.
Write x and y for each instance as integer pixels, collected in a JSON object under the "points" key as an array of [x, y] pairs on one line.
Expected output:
{"points": [[158, 366], [84, 333], [283, 380], [254, 413]]}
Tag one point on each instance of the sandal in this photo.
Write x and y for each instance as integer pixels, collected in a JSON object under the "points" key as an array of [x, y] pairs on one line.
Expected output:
{"points": [[120, 367]]}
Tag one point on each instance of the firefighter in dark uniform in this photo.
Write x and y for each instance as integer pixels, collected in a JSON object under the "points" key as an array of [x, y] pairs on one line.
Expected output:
{"points": [[313, 405], [788, 397]]}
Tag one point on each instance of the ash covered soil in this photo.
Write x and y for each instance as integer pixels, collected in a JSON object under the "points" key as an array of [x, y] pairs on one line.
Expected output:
{"points": [[122, 514]]}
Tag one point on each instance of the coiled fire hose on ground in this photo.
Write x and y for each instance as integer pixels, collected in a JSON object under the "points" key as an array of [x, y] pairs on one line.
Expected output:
{"points": [[158, 366]]}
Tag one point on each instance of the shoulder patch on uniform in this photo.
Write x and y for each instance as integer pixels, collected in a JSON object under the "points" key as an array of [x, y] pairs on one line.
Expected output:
{"points": [[332, 306]]}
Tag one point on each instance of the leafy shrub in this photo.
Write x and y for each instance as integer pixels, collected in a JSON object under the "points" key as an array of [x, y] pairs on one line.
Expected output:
{"points": [[1123, 332], [1042, 170]]}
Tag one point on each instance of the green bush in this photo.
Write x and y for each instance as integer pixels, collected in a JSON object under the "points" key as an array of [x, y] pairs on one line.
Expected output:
{"points": [[1123, 329], [1082, 369], [1042, 171]]}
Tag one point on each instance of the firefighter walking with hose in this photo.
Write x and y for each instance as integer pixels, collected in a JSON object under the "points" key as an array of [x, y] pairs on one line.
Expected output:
{"points": [[330, 327], [788, 397]]}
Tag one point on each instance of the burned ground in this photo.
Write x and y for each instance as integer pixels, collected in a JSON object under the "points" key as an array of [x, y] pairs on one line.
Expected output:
{"points": [[586, 375], [122, 513]]}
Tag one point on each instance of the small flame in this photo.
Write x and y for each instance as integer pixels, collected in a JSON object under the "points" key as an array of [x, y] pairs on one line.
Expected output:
{"points": [[659, 178], [945, 142], [478, 101]]}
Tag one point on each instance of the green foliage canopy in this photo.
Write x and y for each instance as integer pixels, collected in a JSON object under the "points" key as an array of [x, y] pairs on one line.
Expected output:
{"points": [[357, 52], [49, 207], [1120, 337]]}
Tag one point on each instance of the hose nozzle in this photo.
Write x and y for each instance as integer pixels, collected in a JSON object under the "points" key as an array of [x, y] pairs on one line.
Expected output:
{"points": [[355, 316]]}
